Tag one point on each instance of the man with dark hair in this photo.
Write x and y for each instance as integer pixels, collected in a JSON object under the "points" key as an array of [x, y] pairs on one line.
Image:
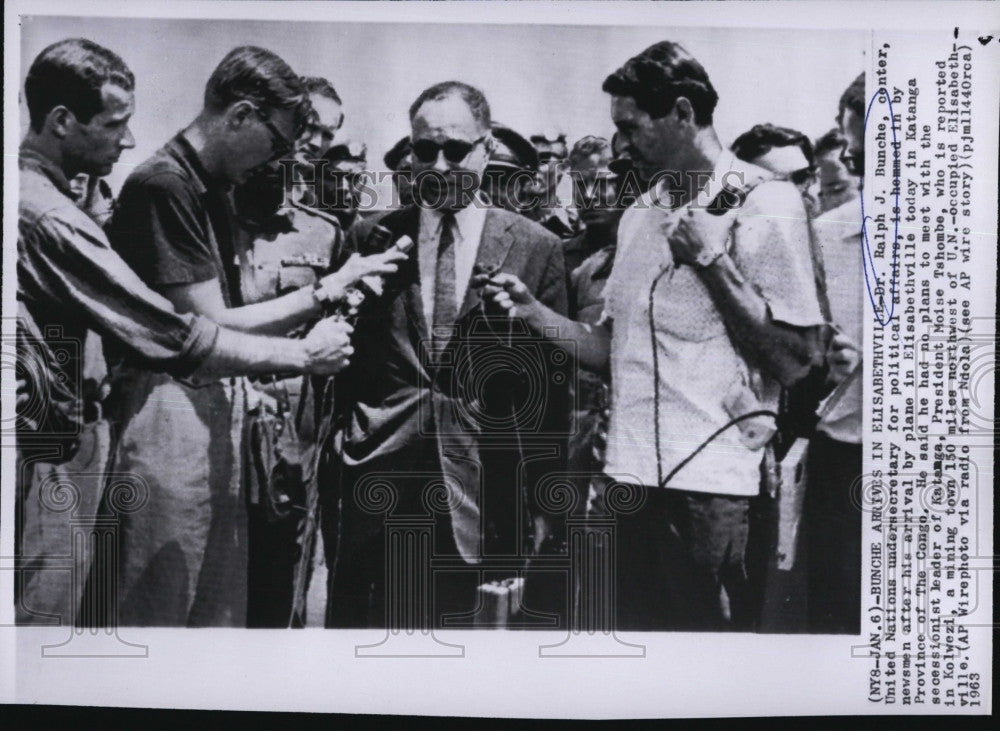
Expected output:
{"points": [[184, 556], [327, 117], [831, 516], [69, 281], [783, 151], [851, 114], [595, 197], [427, 393], [512, 173], [552, 153], [836, 184], [701, 327]]}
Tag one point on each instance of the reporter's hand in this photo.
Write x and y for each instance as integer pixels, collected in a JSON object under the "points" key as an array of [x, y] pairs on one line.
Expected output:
{"points": [[506, 291], [328, 346], [843, 356], [334, 286], [700, 237]]}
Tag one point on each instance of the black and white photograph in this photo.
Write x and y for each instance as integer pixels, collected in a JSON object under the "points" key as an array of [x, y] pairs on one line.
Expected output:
{"points": [[417, 342]]}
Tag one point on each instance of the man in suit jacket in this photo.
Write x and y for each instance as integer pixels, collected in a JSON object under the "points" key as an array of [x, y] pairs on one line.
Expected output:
{"points": [[454, 414]]}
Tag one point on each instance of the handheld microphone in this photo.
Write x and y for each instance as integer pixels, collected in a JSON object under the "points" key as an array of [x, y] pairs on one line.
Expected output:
{"points": [[728, 199], [373, 285]]}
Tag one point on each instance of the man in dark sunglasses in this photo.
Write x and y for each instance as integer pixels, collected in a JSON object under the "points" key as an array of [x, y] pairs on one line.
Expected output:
{"points": [[432, 404], [449, 150]]}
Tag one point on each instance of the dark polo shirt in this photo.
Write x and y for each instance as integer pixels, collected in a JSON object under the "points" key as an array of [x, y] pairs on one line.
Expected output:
{"points": [[175, 225]]}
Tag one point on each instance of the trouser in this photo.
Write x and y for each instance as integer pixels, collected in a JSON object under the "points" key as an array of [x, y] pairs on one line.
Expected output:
{"points": [[53, 501], [680, 563], [832, 531], [355, 545], [274, 553]]}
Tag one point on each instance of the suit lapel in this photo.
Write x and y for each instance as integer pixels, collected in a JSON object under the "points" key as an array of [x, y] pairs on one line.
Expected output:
{"points": [[493, 249], [406, 222]]}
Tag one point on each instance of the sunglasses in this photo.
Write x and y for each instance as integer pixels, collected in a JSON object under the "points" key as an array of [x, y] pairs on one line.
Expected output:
{"points": [[280, 145], [454, 150], [803, 176], [621, 166]]}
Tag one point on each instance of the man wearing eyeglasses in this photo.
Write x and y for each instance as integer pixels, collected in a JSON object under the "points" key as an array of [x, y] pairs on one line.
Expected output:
{"points": [[434, 407], [184, 556]]}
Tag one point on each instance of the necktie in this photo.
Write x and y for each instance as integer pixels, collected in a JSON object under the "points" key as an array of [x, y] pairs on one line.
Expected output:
{"points": [[445, 307]]}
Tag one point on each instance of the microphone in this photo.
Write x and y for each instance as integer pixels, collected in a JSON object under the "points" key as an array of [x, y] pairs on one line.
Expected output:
{"points": [[373, 285], [728, 199]]}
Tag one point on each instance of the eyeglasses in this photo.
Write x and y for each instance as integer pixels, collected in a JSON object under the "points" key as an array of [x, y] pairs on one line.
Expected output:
{"points": [[280, 145], [803, 176], [855, 164], [621, 166], [454, 150]]}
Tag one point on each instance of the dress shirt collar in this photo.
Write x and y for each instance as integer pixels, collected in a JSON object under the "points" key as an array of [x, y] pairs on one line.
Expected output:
{"points": [[33, 160], [707, 193], [468, 220]]}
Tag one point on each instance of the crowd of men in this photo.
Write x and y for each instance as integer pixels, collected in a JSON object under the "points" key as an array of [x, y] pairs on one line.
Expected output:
{"points": [[280, 371]]}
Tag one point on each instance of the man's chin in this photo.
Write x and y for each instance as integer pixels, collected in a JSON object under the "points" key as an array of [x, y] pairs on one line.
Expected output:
{"points": [[443, 200], [104, 170]]}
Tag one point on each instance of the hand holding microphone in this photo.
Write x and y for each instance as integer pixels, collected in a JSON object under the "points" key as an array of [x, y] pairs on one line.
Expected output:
{"points": [[504, 290], [370, 270], [328, 344], [702, 233]]}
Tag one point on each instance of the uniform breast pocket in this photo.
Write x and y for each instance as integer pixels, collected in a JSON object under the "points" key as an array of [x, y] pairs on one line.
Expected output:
{"points": [[683, 307]]}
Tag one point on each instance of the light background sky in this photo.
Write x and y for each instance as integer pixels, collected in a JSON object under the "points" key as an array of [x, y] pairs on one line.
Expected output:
{"points": [[534, 77]]}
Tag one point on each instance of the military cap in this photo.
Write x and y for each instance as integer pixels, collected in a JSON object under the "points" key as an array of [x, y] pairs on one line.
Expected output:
{"points": [[512, 150], [400, 151]]}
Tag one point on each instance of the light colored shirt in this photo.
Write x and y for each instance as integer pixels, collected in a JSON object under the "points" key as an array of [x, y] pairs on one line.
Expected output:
{"points": [[469, 222], [697, 363], [838, 232]]}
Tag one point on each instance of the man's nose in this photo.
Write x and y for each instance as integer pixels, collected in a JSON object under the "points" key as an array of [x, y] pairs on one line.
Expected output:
{"points": [[440, 164], [128, 141]]}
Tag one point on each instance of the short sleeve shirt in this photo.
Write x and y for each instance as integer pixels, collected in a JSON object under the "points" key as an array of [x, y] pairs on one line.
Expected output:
{"points": [[697, 366], [175, 225]]}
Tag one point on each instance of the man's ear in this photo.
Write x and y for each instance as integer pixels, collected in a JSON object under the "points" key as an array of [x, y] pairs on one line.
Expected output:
{"points": [[58, 121], [239, 113], [684, 110]]}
